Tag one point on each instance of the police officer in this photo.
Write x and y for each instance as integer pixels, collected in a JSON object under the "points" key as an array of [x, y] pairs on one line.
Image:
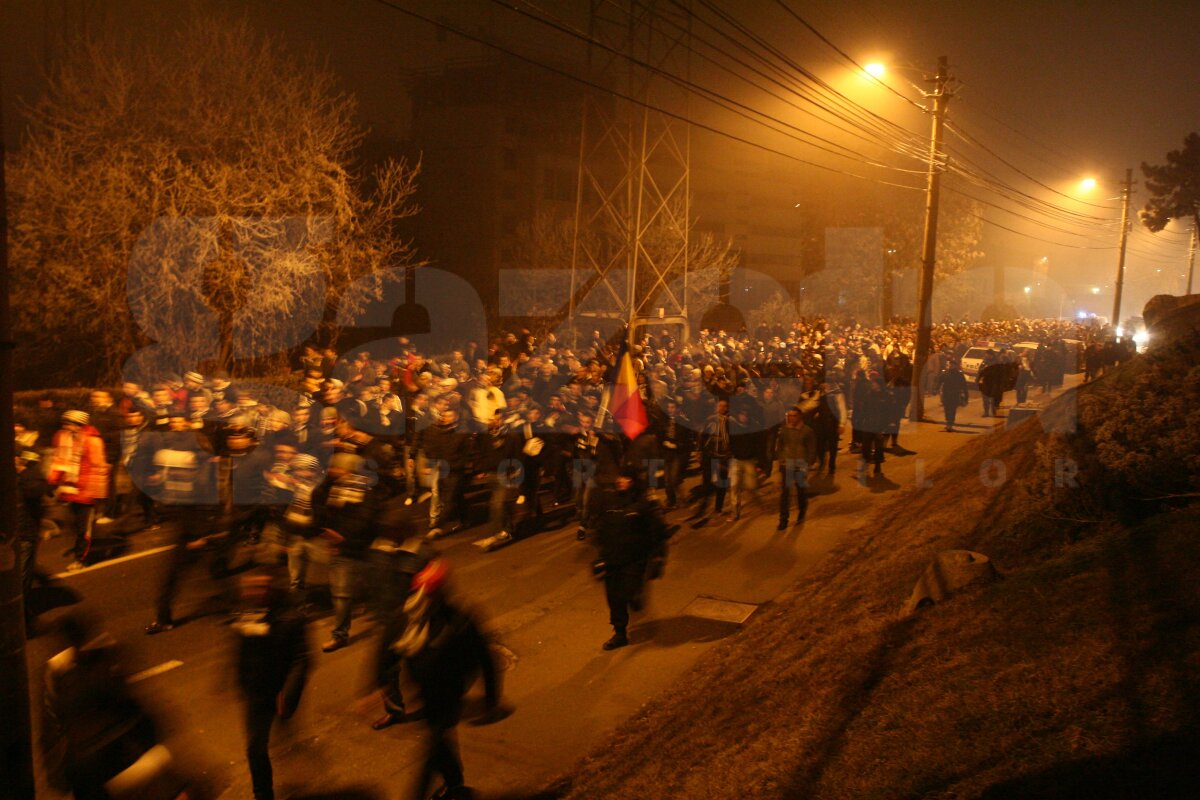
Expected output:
{"points": [[629, 532]]}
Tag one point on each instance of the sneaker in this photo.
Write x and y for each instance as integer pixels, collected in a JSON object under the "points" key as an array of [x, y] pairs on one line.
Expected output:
{"points": [[336, 643], [580, 535], [783, 523], [157, 627], [494, 542], [408, 501], [617, 640], [104, 520], [75, 566], [435, 533]]}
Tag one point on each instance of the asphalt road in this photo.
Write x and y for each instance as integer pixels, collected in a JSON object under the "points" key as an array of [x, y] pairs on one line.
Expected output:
{"points": [[538, 600]]}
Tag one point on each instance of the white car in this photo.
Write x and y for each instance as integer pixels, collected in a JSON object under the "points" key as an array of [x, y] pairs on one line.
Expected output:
{"points": [[972, 360], [1026, 348]]}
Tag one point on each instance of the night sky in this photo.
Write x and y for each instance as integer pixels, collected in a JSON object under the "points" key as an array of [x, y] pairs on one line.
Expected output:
{"points": [[1060, 89]]}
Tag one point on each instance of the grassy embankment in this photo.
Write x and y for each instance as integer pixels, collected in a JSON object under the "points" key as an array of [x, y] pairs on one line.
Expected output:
{"points": [[1075, 675]]}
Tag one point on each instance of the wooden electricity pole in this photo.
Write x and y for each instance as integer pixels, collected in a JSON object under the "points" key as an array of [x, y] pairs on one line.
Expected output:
{"points": [[941, 98], [1126, 194]]}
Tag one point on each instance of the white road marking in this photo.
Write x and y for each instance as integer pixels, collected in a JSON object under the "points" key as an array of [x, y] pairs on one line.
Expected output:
{"points": [[166, 666], [152, 551]]}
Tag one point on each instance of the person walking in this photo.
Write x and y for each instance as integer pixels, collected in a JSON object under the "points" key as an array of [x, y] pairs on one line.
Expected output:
{"points": [[629, 532], [79, 473], [272, 667], [796, 452], [746, 448], [32, 491], [346, 503], [952, 386], [714, 460], [444, 649], [871, 414]]}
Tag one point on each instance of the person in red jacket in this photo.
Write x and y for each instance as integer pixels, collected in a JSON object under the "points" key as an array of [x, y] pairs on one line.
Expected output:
{"points": [[79, 473]]}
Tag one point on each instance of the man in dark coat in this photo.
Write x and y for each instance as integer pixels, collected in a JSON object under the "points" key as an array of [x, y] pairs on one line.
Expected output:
{"points": [[444, 650], [991, 387], [952, 385], [272, 667], [629, 532], [872, 413], [32, 490]]}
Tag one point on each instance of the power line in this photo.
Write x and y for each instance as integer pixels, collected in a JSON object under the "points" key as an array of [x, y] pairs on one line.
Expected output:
{"points": [[642, 103]]}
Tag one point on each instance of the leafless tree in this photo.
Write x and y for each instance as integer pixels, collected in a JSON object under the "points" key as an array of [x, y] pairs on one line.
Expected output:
{"points": [[196, 201]]}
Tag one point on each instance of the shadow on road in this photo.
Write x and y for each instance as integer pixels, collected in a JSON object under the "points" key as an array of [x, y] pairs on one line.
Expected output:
{"points": [[51, 596]]}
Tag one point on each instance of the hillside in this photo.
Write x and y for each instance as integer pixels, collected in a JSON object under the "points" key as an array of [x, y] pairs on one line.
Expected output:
{"points": [[1075, 675]]}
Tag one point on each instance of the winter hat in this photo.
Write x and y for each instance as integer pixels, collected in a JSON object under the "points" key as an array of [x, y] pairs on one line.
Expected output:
{"points": [[78, 417]]}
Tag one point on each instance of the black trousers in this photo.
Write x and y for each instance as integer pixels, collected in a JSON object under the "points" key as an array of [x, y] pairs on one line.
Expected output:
{"points": [[441, 749], [622, 586], [82, 517], [260, 715], [794, 478], [714, 475], [872, 447], [827, 447], [951, 413], [193, 524]]}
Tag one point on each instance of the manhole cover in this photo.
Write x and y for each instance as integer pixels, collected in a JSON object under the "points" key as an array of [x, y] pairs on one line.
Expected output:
{"points": [[505, 659], [720, 610]]}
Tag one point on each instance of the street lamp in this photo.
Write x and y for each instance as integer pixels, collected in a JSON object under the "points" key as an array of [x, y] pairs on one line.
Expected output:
{"points": [[875, 70]]}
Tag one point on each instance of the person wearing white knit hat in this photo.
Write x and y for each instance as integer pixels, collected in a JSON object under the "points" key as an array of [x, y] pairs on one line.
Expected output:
{"points": [[79, 473]]}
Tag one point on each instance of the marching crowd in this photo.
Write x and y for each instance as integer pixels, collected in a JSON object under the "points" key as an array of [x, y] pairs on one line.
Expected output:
{"points": [[372, 456]]}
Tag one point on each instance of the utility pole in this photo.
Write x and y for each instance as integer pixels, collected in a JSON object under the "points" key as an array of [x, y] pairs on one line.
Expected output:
{"points": [[1192, 257], [16, 733], [1126, 193], [941, 98]]}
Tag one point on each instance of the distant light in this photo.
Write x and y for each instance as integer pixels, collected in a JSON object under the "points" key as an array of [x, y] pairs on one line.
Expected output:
{"points": [[875, 69], [1095, 290], [1120, 331], [1028, 289], [1141, 338], [1087, 184]]}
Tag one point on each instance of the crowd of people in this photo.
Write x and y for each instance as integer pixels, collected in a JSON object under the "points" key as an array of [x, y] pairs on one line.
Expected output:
{"points": [[373, 455]]}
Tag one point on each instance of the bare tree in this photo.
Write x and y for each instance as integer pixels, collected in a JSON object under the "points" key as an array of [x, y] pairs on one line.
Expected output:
{"points": [[196, 201]]}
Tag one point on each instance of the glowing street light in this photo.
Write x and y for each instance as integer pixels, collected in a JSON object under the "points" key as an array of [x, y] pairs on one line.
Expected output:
{"points": [[1095, 290], [875, 70], [1087, 184]]}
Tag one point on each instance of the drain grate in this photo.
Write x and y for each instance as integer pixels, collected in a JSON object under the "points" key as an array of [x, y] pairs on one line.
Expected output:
{"points": [[720, 610]]}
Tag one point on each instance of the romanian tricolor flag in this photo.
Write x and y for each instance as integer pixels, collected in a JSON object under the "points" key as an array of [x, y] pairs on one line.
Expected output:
{"points": [[624, 400]]}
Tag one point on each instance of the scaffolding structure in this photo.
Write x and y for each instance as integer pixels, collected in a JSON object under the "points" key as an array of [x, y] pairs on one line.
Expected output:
{"points": [[633, 208]]}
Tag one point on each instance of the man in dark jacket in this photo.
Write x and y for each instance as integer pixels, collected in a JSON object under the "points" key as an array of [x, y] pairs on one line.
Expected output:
{"points": [[32, 490], [952, 385], [444, 650], [796, 450], [871, 415], [629, 532], [346, 505], [272, 666], [448, 452]]}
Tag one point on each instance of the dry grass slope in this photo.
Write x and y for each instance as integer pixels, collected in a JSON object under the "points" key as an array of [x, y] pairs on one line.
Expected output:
{"points": [[1077, 675]]}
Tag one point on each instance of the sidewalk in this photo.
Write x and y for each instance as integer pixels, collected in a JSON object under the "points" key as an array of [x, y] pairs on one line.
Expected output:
{"points": [[538, 599]]}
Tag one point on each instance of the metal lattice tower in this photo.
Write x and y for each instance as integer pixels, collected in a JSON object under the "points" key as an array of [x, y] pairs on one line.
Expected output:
{"points": [[630, 253]]}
